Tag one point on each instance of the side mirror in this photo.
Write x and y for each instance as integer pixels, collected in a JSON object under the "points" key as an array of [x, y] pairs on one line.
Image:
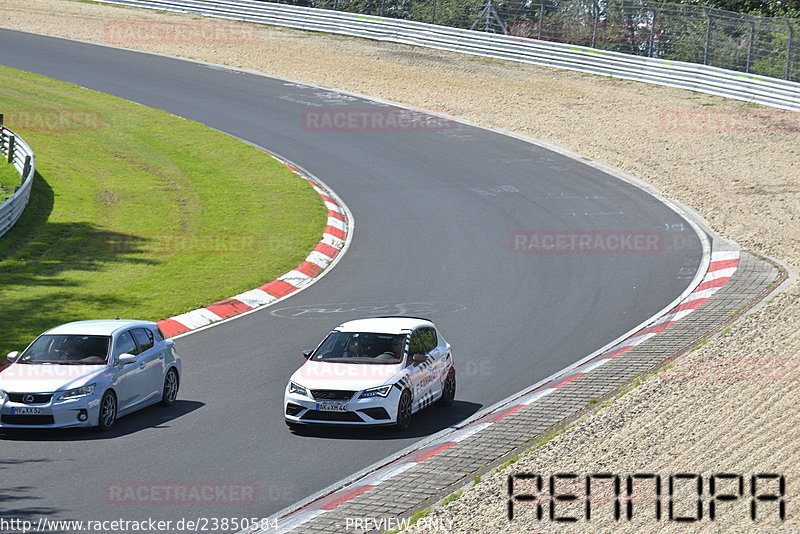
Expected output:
{"points": [[12, 356], [307, 354], [419, 358], [125, 359]]}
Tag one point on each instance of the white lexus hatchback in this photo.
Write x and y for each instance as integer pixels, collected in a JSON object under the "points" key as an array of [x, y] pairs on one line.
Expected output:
{"points": [[376, 371], [88, 373]]}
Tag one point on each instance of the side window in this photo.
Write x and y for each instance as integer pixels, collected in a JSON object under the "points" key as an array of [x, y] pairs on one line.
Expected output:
{"points": [[144, 338], [415, 345], [124, 344], [159, 335], [429, 339]]}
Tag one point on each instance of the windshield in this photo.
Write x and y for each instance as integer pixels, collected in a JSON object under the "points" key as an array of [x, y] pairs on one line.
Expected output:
{"points": [[67, 350], [360, 347]]}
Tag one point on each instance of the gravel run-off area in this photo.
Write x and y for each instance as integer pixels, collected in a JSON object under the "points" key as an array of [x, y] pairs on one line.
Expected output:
{"points": [[732, 406]]}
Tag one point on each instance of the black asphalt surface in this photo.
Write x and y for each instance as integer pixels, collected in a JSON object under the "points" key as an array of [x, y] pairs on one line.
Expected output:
{"points": [[434, 213]]}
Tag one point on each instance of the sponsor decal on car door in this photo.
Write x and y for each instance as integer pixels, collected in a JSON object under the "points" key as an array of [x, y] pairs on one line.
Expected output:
{"points": [[422, 376], [418, 372], [436, 353]]}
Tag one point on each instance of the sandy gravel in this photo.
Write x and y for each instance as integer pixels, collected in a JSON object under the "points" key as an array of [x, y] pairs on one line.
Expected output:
{"points": [[737, 164]]}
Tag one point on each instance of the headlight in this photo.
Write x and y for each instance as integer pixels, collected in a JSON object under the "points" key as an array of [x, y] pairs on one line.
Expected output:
{"points": [[78, 392], [380, 391], [297, 388]]}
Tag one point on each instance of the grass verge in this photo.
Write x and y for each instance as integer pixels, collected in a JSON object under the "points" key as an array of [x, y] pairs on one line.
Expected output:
{"points": [[9, 180], [137, 213]]}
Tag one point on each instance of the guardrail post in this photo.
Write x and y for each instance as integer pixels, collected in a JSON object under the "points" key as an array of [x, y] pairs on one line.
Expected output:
{"points": [[11, 142], [541, 19], [651, 43], [433, 17], [789, 49], [708, 37], [486, 16], [750, 43], [1, 119], [383, 3], [596, 22], [26, 168]]}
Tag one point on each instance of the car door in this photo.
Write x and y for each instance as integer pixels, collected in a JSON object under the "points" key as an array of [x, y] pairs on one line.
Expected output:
{"points": [[434, 351], [419, 373], [131, 380], [153, 361]]}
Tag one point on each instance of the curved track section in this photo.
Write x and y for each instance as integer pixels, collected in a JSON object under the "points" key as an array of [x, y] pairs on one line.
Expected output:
{"points": [[435, 212]]}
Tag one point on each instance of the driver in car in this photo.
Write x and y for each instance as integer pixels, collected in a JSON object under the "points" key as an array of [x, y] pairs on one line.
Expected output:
{"points": [[352, 350]]}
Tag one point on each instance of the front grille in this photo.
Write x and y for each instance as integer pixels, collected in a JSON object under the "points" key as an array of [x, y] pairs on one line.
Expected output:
{"points": [[293, 409], [27, 419], [38, 398], [376, 413], [332, 394], [315, 415]]}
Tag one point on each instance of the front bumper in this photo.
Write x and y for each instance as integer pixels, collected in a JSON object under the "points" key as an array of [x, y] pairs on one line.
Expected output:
{"points": [[53, 414], [299, 409]]}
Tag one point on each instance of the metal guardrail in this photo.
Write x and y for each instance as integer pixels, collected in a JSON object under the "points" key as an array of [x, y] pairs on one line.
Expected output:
{"points": [[695, 77], [17, 152], [766, 46]]}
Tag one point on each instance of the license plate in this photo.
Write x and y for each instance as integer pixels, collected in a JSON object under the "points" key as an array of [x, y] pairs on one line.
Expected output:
{"points": [[330, 407], [27, 410]]}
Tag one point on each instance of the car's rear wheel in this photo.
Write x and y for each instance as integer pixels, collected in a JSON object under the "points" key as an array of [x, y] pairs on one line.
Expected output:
{"points": [[108, 411], [170, 391], [403, 420], [448, 389]]}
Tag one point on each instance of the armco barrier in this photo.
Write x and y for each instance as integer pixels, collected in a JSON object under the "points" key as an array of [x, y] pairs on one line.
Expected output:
{"points": [[712, 80], [17, 152]]}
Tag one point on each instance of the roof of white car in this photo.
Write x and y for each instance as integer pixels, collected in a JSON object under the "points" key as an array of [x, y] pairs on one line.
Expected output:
{"points": [[384, 325], [104, 327]]}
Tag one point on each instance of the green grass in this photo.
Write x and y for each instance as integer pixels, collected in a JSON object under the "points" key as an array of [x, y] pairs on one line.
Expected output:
{"points": [[9, 180], [139, 214], [452, 497]]}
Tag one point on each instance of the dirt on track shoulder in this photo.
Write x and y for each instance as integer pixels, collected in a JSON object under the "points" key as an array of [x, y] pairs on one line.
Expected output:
{"points": [[736, 163]]}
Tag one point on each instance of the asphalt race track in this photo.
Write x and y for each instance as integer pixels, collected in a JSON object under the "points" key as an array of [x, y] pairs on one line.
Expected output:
{"points": [[434, 213]]}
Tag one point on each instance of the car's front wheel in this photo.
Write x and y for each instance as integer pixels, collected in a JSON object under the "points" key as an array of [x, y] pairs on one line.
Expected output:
{"points": [[403, 420], [170, 391], [448, 389], [108, 411]]}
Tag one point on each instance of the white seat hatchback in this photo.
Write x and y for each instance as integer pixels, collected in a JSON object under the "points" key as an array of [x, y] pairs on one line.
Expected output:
{"points": [[375, 371]]}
